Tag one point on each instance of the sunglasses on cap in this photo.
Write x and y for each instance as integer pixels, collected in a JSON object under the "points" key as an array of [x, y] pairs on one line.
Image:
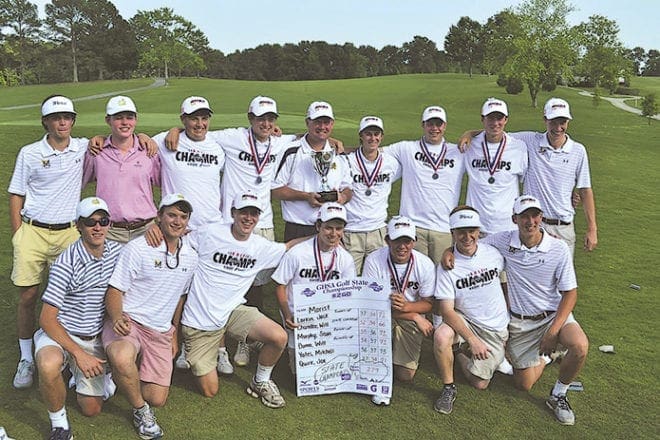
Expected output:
{"points": [[90, 222]]}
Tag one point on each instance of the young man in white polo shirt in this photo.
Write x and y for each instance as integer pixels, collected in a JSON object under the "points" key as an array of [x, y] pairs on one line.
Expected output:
{"points": [[373, 174], [542, 292], [144, 303], [412, 279], [297, 183], [72, 318], [473, 309], [432, 171], [230, 256], [320, 258], [496, 164], [43, 194]]}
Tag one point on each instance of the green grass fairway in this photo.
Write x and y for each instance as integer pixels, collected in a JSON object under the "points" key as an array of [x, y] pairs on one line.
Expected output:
{"points": [[620, 398]]}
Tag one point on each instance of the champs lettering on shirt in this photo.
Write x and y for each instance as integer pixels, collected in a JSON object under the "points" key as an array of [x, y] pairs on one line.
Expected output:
{"points": [[478, 279], [196, 158]]}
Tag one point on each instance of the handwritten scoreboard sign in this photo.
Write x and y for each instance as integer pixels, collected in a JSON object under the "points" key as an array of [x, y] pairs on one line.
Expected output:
{"points": [[344, 342]]}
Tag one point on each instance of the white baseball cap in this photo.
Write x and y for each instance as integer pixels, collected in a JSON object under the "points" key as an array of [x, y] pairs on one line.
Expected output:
{"points": [[172, 199], [57, 104], [119, 104], [318, 109], [261, 105], [247, 199], [434, 112], [400, 226], [464, 218], [194, 103], [493, 105], [525, 202], [87, 207], [332, 210], [370, 121], [557, 108]]}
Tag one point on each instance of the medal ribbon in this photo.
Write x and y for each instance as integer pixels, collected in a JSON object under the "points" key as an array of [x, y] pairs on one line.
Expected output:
{"points": [[492, 164], [369, 179], [401, 284], [435, 163], [323, 272], [259, 163]]}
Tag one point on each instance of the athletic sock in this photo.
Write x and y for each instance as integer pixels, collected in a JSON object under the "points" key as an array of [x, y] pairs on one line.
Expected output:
{"points": [[559, 389], [26, 349], [58, 419], [263, 373]]}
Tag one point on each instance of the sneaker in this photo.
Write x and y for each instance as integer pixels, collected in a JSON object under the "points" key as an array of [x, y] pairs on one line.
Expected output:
{"points": [[560, 406], [242, 355], [445, 403], [505, 367], [109, 386], [380, 400], [60, 434], [3, 434], [144, 421], [24, 373], [267, 391], [181, 362], [224, 366]]}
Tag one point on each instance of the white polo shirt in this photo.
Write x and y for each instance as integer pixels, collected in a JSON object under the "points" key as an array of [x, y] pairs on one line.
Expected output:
{"points": [[421, 282], [240, 172], [153, 281], [297, 172], [194, 171], [535, 277], [77, 283], [425, 200], [50, 180], [366, 213], [493, 195], [299, 266], [553, 173], [226, 270], [474, 286]]}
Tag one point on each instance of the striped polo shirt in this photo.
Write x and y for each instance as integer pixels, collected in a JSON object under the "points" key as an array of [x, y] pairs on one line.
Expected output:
{"points": [[536, 276], [77, 284], [553, 173]]}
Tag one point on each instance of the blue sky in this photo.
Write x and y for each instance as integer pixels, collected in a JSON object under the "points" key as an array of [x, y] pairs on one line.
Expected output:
{"points": [[235, 25]]}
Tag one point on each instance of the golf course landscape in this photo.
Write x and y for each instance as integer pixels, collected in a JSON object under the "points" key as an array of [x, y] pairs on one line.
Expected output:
{"points": [[621, 390]]}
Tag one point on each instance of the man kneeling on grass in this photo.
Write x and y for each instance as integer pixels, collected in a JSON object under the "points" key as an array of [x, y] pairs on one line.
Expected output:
{"points": [[473, 308]]}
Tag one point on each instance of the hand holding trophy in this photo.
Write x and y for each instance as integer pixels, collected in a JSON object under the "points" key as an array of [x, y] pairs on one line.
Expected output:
{"points": [[323, 163]]}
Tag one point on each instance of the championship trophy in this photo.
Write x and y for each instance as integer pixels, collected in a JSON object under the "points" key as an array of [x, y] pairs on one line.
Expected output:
{"points": [[323, 162]]}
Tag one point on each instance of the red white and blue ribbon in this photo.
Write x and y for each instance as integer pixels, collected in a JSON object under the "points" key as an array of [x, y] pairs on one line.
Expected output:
{"points": [[492, 163], [436, 163], [369, 178], [259, 162], [401, 283], [324, 273]]}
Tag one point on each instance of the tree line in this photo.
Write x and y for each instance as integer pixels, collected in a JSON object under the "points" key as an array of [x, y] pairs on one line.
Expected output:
{"points": [[530, 46]]}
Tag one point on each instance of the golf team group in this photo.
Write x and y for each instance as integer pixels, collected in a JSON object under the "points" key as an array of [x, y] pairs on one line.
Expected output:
{"points": [[136, 288]]}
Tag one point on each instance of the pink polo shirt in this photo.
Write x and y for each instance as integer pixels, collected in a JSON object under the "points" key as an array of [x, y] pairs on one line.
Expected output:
{"points": [[124, 181]]}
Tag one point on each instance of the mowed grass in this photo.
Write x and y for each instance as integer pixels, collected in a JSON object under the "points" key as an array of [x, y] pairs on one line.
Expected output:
{"points": [[620, 398]]}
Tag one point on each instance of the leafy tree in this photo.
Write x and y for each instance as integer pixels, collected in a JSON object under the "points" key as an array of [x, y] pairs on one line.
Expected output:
{"points": [[393, 60], [649, 107], [21, 18], [637, 56], [66, 20], [543, 51], [420, 54], [603, 60], [163, 36], [463, 44], [498, 37], [652, 66]]}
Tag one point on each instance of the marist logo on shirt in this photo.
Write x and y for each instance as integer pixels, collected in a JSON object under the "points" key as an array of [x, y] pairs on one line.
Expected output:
{"points": [[158, 264]]}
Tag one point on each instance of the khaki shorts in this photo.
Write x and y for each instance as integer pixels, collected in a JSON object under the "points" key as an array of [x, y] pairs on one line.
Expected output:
{"points": [[87, 387], [564, 232], [122, 235], [525, 338], [361, 244], [494, 340], [406, 343], [263, 277], [35, 249], [201, 346], [432, 243]]}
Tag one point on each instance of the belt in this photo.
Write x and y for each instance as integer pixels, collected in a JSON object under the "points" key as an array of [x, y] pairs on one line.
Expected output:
{"points": [[86, 338], [52, 227], [538, 317], [555, 222], [131, 225]]}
